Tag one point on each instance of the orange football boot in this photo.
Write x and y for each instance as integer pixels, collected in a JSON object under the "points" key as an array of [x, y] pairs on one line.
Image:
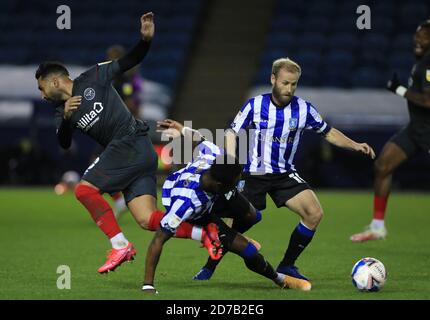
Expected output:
{"points": [[211, 241], [116, 257]]}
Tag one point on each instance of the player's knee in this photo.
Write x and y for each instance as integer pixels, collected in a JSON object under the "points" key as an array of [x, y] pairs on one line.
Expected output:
{"points": [[144, 214], [144, 221], [382, 167], [253, 217], [313, 217], [144, 224], [150, 220]]}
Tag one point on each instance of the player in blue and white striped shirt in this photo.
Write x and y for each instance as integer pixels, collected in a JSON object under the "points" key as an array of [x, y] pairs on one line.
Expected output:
{"points": [[276, 122], [276, 131], [191, 194]]}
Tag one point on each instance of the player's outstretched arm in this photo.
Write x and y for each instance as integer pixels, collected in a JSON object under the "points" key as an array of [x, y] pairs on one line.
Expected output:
{"points": [[337, 138], [420, 99], [174, 129], [152, 258], [136, 55]]}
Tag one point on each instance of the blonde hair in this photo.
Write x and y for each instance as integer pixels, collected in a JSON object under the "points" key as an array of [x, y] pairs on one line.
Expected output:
{"points": [[287, 64]]}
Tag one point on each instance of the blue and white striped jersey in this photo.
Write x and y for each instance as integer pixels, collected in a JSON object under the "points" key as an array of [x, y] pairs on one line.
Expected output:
{"points": [[275, 132], [182, 195]]}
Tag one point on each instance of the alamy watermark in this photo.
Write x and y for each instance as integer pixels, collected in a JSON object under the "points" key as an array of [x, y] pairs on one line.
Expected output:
{"points": [[259, 142], [64, 21], [364, 18], [64, 281]]}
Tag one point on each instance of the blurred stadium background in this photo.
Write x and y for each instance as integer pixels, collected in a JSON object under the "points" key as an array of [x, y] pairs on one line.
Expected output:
{"points": [[207, 57]]}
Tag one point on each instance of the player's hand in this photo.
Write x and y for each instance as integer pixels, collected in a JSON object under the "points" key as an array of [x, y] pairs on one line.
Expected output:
{"points": [[393, 83], [148, 289], [171, 128], [147, 28], [71, 105], [366, 149]]}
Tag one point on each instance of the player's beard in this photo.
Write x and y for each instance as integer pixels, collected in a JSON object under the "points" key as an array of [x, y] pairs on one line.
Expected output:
{"points": [[421, 53], [280, 98], [56, 98]]}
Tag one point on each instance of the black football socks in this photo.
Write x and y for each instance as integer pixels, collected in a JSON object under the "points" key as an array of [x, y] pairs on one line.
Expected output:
{"points": [[299, 240]]}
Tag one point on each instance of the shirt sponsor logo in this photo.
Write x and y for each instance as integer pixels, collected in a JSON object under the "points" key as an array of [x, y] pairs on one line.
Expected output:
{"points": [[89, 94], [266, 138], [428, 75], [89, 119]]}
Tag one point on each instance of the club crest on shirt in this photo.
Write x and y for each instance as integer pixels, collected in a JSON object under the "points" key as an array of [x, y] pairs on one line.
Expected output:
{"points": [[89, 94], [293, 123], [428, 75], [241, 185]]}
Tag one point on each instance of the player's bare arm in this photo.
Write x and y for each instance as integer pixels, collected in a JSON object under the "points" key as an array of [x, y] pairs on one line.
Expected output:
{"points": [[338, 139], [420, 99], [171, 128], [152, 257], [174, 129]]}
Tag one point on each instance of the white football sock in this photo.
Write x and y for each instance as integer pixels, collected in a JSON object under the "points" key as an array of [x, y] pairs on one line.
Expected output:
{"points": [[119, 241], [120, 204], [377, 224], [196, 233], [280, 279]]}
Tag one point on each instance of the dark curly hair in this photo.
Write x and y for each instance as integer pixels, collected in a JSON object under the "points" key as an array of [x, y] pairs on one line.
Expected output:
{"points": [[50, 67]]}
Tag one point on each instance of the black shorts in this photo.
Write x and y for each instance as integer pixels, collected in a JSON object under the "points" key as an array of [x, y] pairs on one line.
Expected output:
{"points": [[280, 186], [411, 142], [232, 205], [226, 234], [128, 164]]}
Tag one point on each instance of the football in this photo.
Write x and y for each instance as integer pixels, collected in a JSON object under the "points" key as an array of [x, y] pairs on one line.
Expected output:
{"points": [[368, 274]]}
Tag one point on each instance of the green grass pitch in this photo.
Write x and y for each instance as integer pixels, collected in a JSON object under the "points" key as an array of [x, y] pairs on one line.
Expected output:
{"points": [[40, 231]]}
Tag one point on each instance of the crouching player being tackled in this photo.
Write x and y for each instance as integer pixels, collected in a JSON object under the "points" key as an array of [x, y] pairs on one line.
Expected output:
{"points": [[128, 162], [202, 193]]}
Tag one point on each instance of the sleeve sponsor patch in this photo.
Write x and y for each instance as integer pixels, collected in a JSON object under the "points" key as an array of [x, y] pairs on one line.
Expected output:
{"points": [[174, 221]]}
